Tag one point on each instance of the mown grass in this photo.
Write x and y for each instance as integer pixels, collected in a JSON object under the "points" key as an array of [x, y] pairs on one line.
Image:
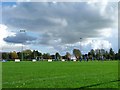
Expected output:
{"points": [[93, 74], [0, 75]]}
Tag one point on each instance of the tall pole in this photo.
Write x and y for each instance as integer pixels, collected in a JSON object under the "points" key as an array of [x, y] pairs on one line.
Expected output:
{"points": [[102, 46], [22, 31], [80, 50], [91, 44], [1, 54], [80, 43], [102, 51], [22, 52]]}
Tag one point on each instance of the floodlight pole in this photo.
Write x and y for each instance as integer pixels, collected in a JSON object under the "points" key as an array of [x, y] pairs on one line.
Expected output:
{"points": [[102, 50], [22, 52], [80, 49], [91, 45], [102, 46], [80, 43], [22, 31], [1, 53]]}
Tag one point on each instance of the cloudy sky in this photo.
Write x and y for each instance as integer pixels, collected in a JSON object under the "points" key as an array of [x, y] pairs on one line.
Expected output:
{"points": [[58, 26]]}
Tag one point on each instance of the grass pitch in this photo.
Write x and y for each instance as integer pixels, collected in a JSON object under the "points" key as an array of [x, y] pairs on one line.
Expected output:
{"points": [[92, 74]]}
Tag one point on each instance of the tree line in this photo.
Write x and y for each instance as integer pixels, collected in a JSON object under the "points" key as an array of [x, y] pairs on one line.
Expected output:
{"points": [[98, 54]]}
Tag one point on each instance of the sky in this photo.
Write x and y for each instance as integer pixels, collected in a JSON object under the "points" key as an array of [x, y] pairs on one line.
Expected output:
{"points": [[51, 27]]}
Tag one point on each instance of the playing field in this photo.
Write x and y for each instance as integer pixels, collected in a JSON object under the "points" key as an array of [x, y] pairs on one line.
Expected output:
{"points": [[92, 74]]}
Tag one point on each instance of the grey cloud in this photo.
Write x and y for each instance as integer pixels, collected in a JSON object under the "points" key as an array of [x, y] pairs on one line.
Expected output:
{"points": [[19, 38], [65, 21]]}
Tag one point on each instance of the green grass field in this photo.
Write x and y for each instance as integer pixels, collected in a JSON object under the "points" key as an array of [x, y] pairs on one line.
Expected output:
{"points": [[92, 74], [0, 75]]}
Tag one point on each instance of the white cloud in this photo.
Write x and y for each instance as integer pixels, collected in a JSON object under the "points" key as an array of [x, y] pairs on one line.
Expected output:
{"points": [[101, 44], [8, 46], [4, 33], [107, 32]]}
